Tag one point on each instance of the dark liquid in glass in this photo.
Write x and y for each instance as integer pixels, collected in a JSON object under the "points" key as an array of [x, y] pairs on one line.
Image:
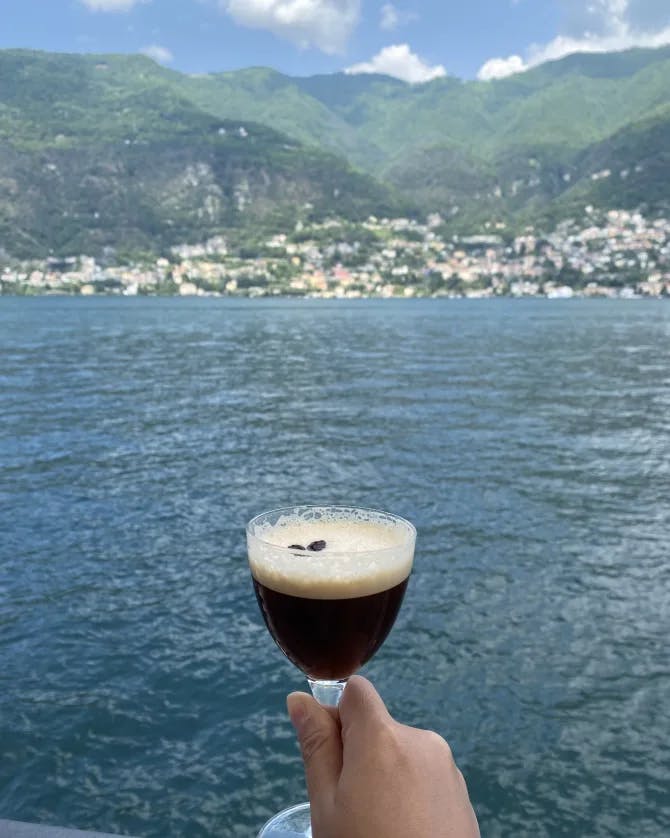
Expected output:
{"points": [[329, 639]]}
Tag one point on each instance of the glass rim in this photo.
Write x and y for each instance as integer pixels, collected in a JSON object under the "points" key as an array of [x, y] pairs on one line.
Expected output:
{"points": [[411, 529]]}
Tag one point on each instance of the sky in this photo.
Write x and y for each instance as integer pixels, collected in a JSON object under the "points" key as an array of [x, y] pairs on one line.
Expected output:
{"points": [[415, 40]]}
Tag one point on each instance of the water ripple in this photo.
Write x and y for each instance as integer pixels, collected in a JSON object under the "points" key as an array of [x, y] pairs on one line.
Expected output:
{"points": [[529, 441]]}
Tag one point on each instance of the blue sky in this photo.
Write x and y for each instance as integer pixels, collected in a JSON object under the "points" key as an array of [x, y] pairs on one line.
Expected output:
{"points": [[412, 39]]}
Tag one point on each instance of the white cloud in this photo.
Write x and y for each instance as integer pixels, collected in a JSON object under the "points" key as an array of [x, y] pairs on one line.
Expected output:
{"points": [[111, 5], [498, 68], [160, 54], [389, 17], [594, 17], [625, 39], [400, 62], [596, 26], [325, 24]]}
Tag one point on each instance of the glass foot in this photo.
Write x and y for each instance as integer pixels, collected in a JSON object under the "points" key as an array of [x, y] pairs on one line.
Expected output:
{"points": [[291, 823]]}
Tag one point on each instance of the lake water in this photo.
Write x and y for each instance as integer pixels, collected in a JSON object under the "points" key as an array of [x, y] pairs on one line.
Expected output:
{"points": [[528, 440]]}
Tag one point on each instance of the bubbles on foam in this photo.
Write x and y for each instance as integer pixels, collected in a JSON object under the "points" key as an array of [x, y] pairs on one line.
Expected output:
{"points": [[340, 536], [366, 552]]}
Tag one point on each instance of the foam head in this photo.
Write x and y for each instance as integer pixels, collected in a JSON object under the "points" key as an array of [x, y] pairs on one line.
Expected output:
{"points": [[355, 552]]}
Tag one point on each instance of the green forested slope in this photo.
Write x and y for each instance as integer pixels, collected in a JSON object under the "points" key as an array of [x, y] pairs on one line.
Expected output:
{"points": [[107, 151], [94, 148]]}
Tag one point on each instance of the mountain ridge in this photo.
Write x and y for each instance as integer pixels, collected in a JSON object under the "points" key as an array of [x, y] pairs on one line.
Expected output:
{"points": [[276, 148]]}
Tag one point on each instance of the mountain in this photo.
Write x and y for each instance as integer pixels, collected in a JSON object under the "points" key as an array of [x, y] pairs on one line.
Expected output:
{"points": [[630, 169], [100, 152], [97, 150], [581, 98], [508, 148]]}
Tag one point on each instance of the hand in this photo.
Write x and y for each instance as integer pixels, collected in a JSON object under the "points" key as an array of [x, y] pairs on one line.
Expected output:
{"points": [[370, 777]]}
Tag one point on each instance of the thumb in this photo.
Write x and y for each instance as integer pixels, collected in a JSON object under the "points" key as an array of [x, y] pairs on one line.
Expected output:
{"points": [[361, 707], [362, 715], [321, 747]]}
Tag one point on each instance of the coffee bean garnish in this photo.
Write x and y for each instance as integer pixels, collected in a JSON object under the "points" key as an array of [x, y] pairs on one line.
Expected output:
{"points": [[316, 546], [295, 547]]}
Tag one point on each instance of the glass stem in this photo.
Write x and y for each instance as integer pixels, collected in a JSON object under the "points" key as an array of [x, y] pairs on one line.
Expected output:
{"points": [[327, 693]]}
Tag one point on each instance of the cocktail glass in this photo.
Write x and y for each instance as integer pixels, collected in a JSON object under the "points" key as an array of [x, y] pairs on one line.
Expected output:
{"points": [[329, 581]]}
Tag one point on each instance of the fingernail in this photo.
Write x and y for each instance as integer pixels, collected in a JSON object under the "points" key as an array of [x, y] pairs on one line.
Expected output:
{"points": [[297, 711]]}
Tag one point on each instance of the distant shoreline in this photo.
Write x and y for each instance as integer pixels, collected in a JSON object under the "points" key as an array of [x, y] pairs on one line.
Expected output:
{"points": [[314, 299], [612, 254]]}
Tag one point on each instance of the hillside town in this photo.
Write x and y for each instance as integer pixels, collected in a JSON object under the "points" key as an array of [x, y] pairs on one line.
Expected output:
{"points": [[616, 253]]}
